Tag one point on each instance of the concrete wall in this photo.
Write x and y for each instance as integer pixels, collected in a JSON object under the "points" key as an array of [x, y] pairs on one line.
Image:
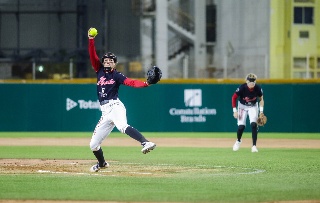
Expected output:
{"points": [[242, 36]]}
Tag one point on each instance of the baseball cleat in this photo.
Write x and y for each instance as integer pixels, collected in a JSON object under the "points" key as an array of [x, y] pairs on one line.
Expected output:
{"points": [[254, 148], [236, 146], [147, 146], [96, 167]]}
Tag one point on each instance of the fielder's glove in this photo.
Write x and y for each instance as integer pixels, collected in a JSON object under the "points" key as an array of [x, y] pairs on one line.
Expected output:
{"points": [[262, 120], [154, 75]]}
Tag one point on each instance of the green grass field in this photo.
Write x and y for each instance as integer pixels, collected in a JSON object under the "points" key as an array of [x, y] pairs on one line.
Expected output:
{"points": [[203, 175]]}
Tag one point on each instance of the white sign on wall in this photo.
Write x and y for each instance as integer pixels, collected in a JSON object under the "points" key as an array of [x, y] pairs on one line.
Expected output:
{"points": [[194, 111]]}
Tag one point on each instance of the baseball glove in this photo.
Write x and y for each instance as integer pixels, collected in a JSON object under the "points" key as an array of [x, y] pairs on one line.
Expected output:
{"points": [[154, 75], [262, 120]]}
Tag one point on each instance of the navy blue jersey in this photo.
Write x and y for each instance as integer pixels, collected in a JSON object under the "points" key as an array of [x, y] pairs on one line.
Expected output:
{"points": [[108, 84], [247, 97]]}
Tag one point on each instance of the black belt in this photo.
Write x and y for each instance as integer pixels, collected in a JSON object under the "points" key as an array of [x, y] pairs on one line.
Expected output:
{"points": [[106, 101], [251, 105]]}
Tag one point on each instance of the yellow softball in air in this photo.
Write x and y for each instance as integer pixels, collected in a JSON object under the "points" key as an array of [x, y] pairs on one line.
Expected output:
{"points": [[93, 32]]}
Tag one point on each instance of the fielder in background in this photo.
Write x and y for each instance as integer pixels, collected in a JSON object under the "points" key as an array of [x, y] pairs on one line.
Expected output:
{"points": [[250, 98], [113, 110]]}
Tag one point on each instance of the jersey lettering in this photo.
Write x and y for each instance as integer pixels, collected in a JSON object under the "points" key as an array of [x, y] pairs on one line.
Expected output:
{"points": [[103, 81], [247, 99]]}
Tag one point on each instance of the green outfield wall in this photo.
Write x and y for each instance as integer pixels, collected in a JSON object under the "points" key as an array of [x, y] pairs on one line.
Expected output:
{"points": [[159, 108]]}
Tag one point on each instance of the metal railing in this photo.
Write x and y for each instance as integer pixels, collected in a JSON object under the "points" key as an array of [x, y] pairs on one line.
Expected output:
{"points": [[183, 19]]}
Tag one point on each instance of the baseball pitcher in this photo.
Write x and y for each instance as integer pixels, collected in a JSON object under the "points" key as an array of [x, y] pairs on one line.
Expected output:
{"points": [[113, 110]]}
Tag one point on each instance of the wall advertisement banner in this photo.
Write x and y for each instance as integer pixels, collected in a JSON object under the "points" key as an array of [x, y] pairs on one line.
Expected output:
{"points": [[158, 108]]}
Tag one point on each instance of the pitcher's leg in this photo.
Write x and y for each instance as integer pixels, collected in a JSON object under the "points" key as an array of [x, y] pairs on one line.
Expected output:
{"points": [[120, 121], [102, 130], [135, 134]]}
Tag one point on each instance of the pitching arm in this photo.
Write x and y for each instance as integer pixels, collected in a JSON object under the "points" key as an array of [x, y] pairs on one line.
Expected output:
{"points": [[95, 61]]}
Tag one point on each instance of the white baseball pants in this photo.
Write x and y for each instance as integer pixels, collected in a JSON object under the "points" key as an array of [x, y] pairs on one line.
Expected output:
{"points": [[113, 114]]}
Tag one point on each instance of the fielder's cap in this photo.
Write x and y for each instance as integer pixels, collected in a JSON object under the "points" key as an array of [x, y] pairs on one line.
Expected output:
{"points": [[251, 77]]}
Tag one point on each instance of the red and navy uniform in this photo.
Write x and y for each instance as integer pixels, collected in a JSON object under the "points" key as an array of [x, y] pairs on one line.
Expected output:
{"points": [[247, 96], [108, 82]]}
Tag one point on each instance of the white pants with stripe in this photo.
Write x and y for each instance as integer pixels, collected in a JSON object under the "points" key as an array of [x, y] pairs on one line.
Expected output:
{"points": [[244, 111]]}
